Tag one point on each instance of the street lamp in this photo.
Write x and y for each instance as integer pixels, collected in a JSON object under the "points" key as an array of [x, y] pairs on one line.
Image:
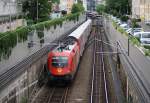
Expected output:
{"points": [[37, 6]]}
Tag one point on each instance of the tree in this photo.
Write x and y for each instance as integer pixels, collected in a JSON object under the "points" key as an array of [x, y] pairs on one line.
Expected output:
{"points": [[55, 1], [122, 7], [77, 8], [37, 10], [100, 8]]}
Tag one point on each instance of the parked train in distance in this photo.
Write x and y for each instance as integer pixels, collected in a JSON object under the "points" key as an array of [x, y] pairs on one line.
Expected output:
{"points": [[62, 62]]}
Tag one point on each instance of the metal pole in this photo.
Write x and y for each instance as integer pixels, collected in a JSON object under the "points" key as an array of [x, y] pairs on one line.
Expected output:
{"points": [[127, 90], [9, 17], [37, 10], [129, 44], [28, 83]]}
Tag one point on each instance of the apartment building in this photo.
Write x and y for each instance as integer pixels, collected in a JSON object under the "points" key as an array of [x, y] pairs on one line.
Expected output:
{"points": [[85, 4], [141, 9], [66, 5], [10, 9]]}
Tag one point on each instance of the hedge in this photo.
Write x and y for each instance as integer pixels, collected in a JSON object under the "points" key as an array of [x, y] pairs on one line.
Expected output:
{"points": [[9, 40]]}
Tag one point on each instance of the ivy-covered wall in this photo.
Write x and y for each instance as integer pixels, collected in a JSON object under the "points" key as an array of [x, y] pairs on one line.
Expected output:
{"points": [[9, 40]]}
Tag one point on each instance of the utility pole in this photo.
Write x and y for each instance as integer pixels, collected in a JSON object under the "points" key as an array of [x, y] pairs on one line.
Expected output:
{"points": [[9, 15], [37, 10]]}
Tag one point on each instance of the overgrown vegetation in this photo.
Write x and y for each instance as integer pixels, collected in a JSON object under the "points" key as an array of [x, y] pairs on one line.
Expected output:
{"points": [[9, 40], [55, 1], [134, 23], [24, 100], [118, 7], [77, 8], [100, 8], [124, 18], [37, 10]]}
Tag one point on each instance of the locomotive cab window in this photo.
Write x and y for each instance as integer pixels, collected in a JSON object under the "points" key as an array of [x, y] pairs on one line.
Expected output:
{"points": [[59, 61]]}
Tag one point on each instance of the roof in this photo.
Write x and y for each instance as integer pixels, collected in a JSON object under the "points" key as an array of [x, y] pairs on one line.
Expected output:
{"points": [[79, 31], [67, 48]]}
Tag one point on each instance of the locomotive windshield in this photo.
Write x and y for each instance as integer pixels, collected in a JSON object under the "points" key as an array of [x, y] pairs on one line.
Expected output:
{"points": [[59, 61]]}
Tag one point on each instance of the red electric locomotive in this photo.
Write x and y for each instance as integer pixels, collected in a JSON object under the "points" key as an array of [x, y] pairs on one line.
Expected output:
{"points": [[63, 61]]}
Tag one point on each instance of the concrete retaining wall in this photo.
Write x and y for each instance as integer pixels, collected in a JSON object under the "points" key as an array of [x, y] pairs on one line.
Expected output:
{"points": [[133, 95]]}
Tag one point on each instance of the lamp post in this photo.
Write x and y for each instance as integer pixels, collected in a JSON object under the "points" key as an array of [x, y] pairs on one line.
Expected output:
{"points": [[37, 6], [9, 15]]}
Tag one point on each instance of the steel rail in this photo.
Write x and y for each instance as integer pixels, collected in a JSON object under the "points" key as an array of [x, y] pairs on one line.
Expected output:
{"points": [[103, 67], [93, 72], [98, 73], [59, 95]]}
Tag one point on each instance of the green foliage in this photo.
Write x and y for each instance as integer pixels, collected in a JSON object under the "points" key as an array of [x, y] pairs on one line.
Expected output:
{"points": [[134, 41], [24, 100], [121, 30], [134, 23], [77, 8], [55, 1], [124, 18], [147, 52], [31, 7], [71, 17], [120, 7], [9, 40], [147, 47], [100, 8]]}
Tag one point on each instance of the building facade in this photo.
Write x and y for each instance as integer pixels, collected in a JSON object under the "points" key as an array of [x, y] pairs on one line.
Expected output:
{"points": [[141, 9], [9, 11], [85, 4], [66, 5], [8, 7], [91, 5]]}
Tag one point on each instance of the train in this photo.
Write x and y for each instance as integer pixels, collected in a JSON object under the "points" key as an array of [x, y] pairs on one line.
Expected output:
{"points": [[62, 61]]}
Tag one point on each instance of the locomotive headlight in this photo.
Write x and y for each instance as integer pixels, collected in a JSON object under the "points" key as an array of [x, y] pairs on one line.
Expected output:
{"points": [[59, 70]]}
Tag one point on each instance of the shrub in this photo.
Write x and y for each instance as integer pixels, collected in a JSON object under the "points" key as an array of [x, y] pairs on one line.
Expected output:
{"points": [[124, 18], [147, 47], [147, 52]]}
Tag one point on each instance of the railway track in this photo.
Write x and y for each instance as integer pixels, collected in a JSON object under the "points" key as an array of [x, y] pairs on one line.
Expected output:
{"points": [[99, 92], [51, 95]]}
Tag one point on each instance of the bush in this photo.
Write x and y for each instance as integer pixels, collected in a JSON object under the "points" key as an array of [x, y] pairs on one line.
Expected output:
{"points": [[121, 30], [124, 18], [147, 52], [77, 8], [147, 47], [134, 41]]}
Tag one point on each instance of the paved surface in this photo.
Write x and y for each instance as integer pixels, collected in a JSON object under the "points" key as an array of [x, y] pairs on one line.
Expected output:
{"points": [[138, 59], [144, 26]]}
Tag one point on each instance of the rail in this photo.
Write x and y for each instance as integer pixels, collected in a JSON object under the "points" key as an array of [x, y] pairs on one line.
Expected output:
{"points": [[99, 90], [51, 95]]}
